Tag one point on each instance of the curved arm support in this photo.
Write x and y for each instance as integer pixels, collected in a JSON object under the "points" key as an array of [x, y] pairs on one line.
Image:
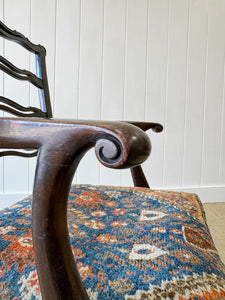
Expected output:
{"points": [[61, 145], [137, 173], [156, 127]]}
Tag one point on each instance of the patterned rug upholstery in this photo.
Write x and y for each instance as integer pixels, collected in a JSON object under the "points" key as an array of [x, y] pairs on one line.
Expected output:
{"points": [[129, 243]]}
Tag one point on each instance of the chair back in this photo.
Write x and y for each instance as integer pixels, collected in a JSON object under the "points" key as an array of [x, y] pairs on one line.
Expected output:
{"points": [[39, 79]]}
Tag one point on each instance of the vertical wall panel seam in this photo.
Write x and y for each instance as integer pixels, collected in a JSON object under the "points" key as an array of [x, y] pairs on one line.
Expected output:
{"points": [[125, 74], [78, 72], [55, 52], [102, 62], [125, 60], [102, 73], [146, 59], [79, 62], [205, 87], [166, 97], [186, 92], [222, 120]]}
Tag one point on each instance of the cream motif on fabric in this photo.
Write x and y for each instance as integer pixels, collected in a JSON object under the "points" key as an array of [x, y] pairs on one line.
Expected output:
{"points": [[145, 252], [151, 215]]}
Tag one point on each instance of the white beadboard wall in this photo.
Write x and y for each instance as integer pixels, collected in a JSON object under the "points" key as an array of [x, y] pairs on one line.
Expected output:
{"points": [[146, 60]]}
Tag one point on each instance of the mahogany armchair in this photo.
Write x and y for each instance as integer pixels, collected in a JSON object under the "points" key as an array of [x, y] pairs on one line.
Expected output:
{"points": [[95, 242]]}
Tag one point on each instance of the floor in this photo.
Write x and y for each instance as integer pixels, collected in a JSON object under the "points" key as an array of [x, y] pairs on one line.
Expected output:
{"points": [[215, 214]]}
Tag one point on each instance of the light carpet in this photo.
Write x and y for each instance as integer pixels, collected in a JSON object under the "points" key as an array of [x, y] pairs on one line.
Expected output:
{"points": [[215, 214]]}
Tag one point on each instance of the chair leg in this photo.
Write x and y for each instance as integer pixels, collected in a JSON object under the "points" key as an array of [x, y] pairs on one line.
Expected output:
{"points": [[139, 178], [58, 275]]}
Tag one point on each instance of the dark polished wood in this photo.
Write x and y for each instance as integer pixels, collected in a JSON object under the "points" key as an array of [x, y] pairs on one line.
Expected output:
{"points": [[138, 177], [26, 153], [137, 173], [156, 127], [20, 74], [61, 145], [39, 81], [19, 110], [19, 38]]}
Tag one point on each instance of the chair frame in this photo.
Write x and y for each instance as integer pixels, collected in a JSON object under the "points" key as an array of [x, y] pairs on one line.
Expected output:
{"points": [[39, 81], [117, 145]]}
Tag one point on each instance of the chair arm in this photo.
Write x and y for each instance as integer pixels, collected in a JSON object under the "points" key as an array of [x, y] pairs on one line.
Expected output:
{"points": [[137, 173], [61, 145], [156, 127]]}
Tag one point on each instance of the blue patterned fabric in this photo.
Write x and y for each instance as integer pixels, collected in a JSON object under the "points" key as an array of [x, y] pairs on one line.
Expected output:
{"points": [[128, 243]]}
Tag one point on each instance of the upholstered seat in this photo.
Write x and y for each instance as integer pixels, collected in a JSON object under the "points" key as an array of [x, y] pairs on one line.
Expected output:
{"points": [[128, 243]]}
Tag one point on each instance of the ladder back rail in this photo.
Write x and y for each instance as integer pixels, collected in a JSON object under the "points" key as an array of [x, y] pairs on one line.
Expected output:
{"points": [[40, 80]]}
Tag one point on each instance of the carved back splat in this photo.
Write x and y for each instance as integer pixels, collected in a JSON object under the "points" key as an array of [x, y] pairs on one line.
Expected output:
{"points": [[41, 82], [39, 79]]}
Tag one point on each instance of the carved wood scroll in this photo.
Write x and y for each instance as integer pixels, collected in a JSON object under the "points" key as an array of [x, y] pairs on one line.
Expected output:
{"points": [[61, 145]]}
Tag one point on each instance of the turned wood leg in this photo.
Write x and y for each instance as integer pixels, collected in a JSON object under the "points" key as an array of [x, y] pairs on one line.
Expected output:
{"points": [[139, 178], [59, 278]]}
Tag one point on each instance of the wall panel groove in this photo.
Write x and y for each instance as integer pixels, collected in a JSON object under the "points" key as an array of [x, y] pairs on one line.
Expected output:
{"points": [[186, 92], [55, 54], [222, 137], [125, 59], [166, 95], [146, 59], [205, 89], [195, 84], [150, 60], [214, 93]]}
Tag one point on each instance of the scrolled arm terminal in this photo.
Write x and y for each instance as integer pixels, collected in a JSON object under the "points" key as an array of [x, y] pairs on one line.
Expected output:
{"points": [[61, 145]]}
